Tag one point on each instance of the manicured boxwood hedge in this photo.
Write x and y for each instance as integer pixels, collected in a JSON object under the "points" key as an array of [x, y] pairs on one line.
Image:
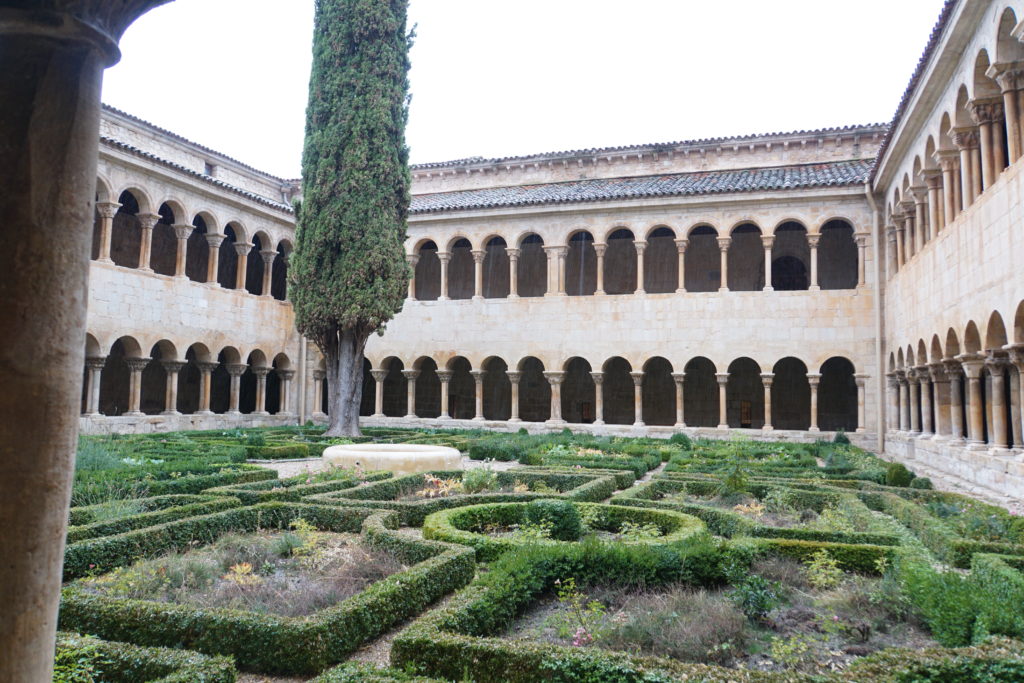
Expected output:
{"points": [[196, 483], [86, 514], [126, 663], [358, 672], [273, 644], [282, 451], [454, 526], [205, 506], [575, 485], [292, 489]]}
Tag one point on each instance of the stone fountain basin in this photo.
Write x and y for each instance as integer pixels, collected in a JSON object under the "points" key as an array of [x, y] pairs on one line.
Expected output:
{"points": [[397, 458]]}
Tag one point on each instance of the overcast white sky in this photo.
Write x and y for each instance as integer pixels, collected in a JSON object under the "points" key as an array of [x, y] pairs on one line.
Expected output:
{"points": [[495, 78]]}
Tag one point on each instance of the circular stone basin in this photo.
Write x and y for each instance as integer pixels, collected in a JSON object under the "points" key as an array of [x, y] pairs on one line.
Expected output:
{"points": [[394, 457]]}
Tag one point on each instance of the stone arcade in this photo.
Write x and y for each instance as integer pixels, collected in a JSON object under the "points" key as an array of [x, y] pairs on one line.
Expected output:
{"points": [[787, 285]]}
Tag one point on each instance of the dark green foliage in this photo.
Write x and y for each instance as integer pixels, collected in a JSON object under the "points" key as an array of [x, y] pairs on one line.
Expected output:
{"points": [[755, 595], [123, 663], [148, 519], [681, 440], [283, 452], [896, 474], [921, 483], [841, 438], [357, 672], [562, 515]]}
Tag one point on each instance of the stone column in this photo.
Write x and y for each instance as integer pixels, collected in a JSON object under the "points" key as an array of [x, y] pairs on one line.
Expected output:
{"points": [[318, 392], [915, 400], [861, 238], [410, 401], [553, 274], [1015, 425], [261, 390], [947, 159], [910, 233], [147, 221], [561, 253], [379, 374], [973, 365], [955, 373], [285, 402], [812, 242], [513, 273], [723, 419], [984, 113], [861, 379], [892, 262], [92, 393], [53, 55], [235, 370], [1010, 82], [901, 378], [513, 378], [598, 378], [723, 248], [924, 380], [478, 394], [107, 211], [599, 249], [813, 379], [640, 245], [445, 376], [933, 180], [920, 194], [681, 245], [901, 248], [997, 368], [767, 241], [181, 234], [966, 140], [444, 257], [1017, 360], [940, 383], [679, 378], [412, 260], [135, 368], [173, 367], [268, 256], [638, 398], [213, 259], [555, 380], [242, 250], [766, 379], [892, 421], [205, 372], [478, 274]]}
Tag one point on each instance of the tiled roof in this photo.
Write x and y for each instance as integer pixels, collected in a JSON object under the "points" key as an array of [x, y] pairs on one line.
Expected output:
{"points": [[832, 174], [259, 199]]}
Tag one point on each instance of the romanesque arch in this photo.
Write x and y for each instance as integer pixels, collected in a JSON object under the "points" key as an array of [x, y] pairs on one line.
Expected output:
{"points": [[497, 398], [661, 262], [837, 396], [791, 395], [837, 256], [460, 269], [581, 265], [702, 261], [394, 389], [746, 259], [461, 389], [700, 393], [618, 390], [532, 268], [428, 388], [791, 258], [496, 269], [744, 395], [534, 391], [620, 262], [658, 393], [579, 392], [428, 272]]}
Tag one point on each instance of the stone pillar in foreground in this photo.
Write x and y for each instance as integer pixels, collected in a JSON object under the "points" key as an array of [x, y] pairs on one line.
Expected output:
{"points": [[638, 398], [410, 397], [813, 379], [53, 55], [948, 159], [723, 379], [555, 380], [680, 378], [378, 375], [598, 378], [513, 378], [901, 378], [892, 419], [766, 380]]}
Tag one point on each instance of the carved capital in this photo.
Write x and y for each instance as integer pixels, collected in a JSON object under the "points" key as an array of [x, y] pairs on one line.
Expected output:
{"points": [[964, 138], [723, 243], [478, 255], [513, 376], [319, 375], [638, 378], [182, 231], [107, 209], [286, 375], [444, 257], [600, 248], [379, 374], [947, 159], [261, 371], [513, 254], [412, 259], [938, 372], [444, 375], [215, 240], [206, 367], [767, 241], [554, 378], [640, 246], [268, 256], [236, 369], [681, 244], [598, 377], [813, 239], [813, 378], [679, 377], [96, 362], [137, 364], [243, 248], [767, 378], [173, 367], [411, 374], [148, 220], [722, 378], [985, 111]]}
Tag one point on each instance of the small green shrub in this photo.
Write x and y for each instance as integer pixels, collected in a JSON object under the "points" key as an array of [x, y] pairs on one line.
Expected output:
{"points": [[841, 438], [753, 594], [896, 474], [681, 440], [566, 524], [823, 571], [921, 483], [480, 479]]}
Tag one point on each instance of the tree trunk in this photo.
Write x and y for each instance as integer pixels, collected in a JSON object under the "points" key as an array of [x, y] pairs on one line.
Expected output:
{"points": [[343, 358]]}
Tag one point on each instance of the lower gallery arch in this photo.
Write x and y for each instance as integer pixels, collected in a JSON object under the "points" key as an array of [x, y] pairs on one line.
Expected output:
{"points": [[620, 263], [154, 379], [744, 395], [702, 261], [461, 390], [791, 395], [837, 396], [248, 384], [428, 273], [496, 269], [532, 270], [497, 390], [115, 378], [220, 380], [461, 270], [190, 379], [534, 391], [428, 389], [658, 393], [618, 392], [395, 391], [700, 393], [369, 397], [581, 266], [578, 392], [273, 400], [661, 262]]}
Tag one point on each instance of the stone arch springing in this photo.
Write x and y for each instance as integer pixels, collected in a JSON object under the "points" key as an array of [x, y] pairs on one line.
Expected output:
{"points": [[461, 389], [461, 269], [837, 396], [746, 259], [428, 389], [428, 272], [700, 393], [618, 391], [578, 392], [497, 389], [791, 395], [532, 270], [197, 251], [658, 393], [620, 262], [163, 253], [534, 391], [126, 232], [227, 258], [496, 269], [581, 265], [116, 378], [744, 395], [279, 274], [702, 260], [791, 258], [837, 256], [661, 262]]}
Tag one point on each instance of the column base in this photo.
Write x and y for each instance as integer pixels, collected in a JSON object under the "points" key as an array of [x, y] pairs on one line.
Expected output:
{"points": [[108, 261], [479, 418], [976, 445], [597, 422], [514, 420], [477, 298], [814, 288], [203, 412], [640, 292], [512, 296], [814, 430], [170, 413], [260, 413], [767, 428], [442, 298], [440, 417], [723, 289], [410, 416], [723, 427], [680, 291], [378, 415], [639, 424], [600, 292], [555, 423], [135, 413], [233, 413], [1000, 451], [212, 284], [144, 270], [679, 425], [767, 289]]}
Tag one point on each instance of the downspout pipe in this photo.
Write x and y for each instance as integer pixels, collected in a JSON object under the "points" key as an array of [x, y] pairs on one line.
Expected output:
{"points": [[876, 237]]}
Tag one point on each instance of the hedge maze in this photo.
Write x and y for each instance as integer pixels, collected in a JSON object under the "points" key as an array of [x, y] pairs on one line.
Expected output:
{"points": [[590, 559]]}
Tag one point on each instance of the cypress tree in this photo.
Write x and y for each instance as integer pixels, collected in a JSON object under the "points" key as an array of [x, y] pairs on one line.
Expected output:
{"points": [[349, 274]]}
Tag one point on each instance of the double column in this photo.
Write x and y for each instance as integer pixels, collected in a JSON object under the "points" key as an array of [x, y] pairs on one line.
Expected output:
{"points": [[94, 365], [135, 368], [242, 250], [206, 369], [556, 270], [181, 235], [213, 258], [318, 383], [173, 368], [147, 221], [1010, 78], [235, 371], [988, 114], [555, 380], [723, 249], [965, 139], [268, 256], [973, 364], [410, 399], [107, 211]]}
